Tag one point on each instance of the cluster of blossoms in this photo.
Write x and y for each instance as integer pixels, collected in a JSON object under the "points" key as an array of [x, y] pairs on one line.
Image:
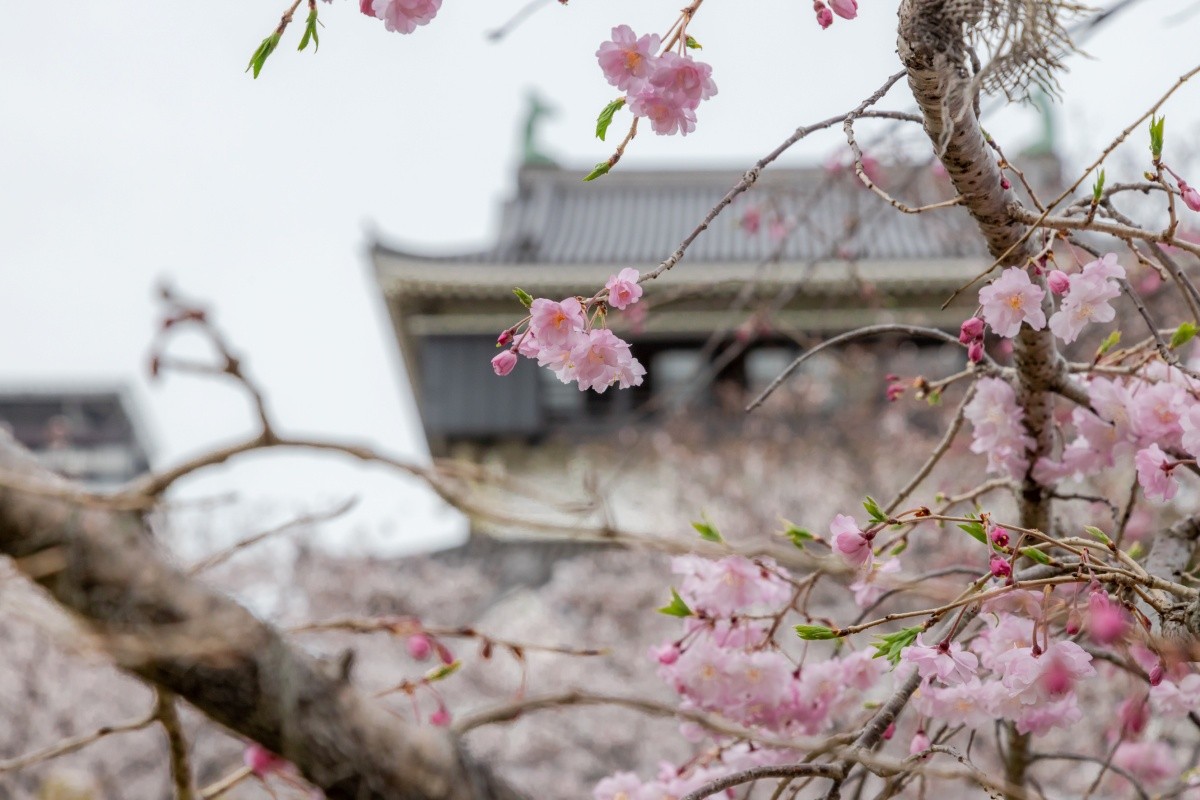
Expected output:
{"points": [[665, 89], [561, 336], [1148, 416], [846, 9], [401, 16], [727, 662], [1013, 299], [999, 424]]}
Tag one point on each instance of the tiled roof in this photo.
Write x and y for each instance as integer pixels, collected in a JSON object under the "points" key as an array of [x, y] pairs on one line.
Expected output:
{"points": [[639, 217]]}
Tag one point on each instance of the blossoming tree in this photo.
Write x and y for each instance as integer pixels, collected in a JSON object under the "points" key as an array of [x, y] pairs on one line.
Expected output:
{"points": [[1055, 609]]}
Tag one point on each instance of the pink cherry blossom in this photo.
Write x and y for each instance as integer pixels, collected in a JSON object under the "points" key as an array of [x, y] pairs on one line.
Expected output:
{"points": [[1106, 620], [597, 359], [684, 78], [553, 323], [504, 362], [403, 16], [1151, 763], [1010, 300], [999, 567], [1087, 296], [949, 664], [668, 113], [869, 588], [627, 60], [1177, 698], [846, 9], [849, 542], [1189, 423], [999, 427], [623, 288], [1154, 473]]}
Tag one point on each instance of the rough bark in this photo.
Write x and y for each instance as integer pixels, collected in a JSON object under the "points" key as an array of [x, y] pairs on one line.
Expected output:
{"points": [[934, 51], [195, 642]]}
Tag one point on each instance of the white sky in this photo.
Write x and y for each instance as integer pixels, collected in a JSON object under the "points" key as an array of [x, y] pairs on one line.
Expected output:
{"points": [[135, 150]]}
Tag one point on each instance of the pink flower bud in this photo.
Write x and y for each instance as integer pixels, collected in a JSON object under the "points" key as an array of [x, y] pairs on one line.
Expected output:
{"points": [[1005, 183], [846, 9], [824, 15], [1134, 713], [366, 7], [1074, 623], [504, 362], [440, 718], [894, 391], [998, 536], [975, 352], [1156, 674], [667, 655], [1106, 620], [920, 743], [1191, 198], [889, 732], [1058, 281], [419, 647], [971, 330], [504, 338], [444, 654], [262, 761], [1000, 567]]}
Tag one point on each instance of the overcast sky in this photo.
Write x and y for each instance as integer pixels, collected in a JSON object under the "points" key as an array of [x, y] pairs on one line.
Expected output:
{"points": [[136, 150]]}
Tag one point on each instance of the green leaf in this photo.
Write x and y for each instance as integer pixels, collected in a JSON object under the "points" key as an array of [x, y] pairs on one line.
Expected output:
{"points": [[873, 509], [1156, 136], [692, 44], [601, 169], [1033, 554], [890, 645], [606, 117], [1183, 334], [442, 672], [260, 55], [934, 398], [708, 531], [676, 608], [525, 297], [798, 536], [900, 548], [1098, 187], [815, 632], [310, 32], [1136, 551], [1097, 533], [975, 529], [1110, 341]]}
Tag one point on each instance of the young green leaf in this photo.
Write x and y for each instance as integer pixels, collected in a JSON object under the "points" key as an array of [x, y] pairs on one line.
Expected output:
{"points": [[815, 632], [1183, 334], [676, 608], [900, 548], [1033, 554], [600, 169], [1097, 533], [525, 297], [693, 44], [708, 531], [873, 510], [1156, 136], [606, 117], [260, 55], [890, 645], [441, 672], [798, 536], [310, 32], [1110, 341], [974, 529]]}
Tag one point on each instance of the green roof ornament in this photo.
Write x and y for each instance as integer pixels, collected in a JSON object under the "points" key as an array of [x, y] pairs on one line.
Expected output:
{"points": [[532, 153], [1044, 145]]}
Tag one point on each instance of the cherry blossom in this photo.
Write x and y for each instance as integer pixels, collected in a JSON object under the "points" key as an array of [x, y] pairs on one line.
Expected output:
{"points": [[1010, 300], [504, 362], [623, 288], [404, 16], [849, 542], [1087, 296], [627, 60], [846, 9], [682, 77], [1155, 473], [668, 113], [998, 427]]}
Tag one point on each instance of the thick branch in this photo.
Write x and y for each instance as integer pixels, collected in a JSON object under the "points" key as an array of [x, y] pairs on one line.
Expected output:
{"points": [[184, 637]]}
